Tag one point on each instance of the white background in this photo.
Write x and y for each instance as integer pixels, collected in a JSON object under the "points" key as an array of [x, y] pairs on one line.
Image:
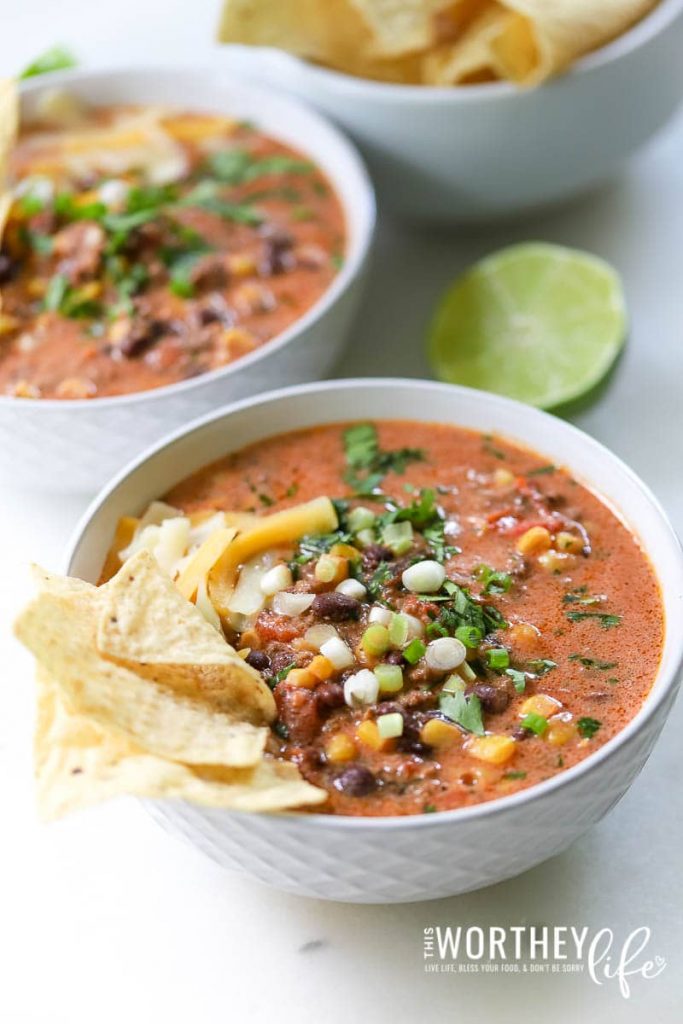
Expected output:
{"points": [[104, 919]]}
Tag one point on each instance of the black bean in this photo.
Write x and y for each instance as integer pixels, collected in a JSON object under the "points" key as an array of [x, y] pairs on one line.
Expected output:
{"points": [[277, 254], [336, 607], [494, 699], [258, 660], [374, 554], [6, 268], [329, 696], [355, 780], [520, 733], [395, 658]]}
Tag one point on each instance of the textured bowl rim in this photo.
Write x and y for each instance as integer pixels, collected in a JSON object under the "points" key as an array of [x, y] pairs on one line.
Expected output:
{"points": [[655, 22], [665, 684], [353, 263]]}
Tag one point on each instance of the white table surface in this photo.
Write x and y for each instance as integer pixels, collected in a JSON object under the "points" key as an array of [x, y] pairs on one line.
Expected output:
{"points": [[105, 919]]}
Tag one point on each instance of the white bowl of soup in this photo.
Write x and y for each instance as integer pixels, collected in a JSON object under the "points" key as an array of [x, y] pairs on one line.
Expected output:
{"points": [[471, 663], [476, 152], [176, 240]]}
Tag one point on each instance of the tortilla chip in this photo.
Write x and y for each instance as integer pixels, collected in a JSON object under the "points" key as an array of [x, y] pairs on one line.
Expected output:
{"points": [[77, 763], [434, 41], [60, 629], [545, 38], [402, 27], [146, 625], [472, 54], [330, 32]]}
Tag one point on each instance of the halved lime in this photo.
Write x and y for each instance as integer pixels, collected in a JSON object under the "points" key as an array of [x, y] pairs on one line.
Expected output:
{"points": [[537, 322]]}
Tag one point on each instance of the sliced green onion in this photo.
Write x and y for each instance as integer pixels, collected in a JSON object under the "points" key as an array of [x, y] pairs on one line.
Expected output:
{"points": [[498, 658], [365, 538], [518, 679], [360, 518], [535, 723], [414, 651], [389, 677], [375, 640], [454, 684], [390, 726], [399, 629], [398, 537], [467, 672], [470, 636]]}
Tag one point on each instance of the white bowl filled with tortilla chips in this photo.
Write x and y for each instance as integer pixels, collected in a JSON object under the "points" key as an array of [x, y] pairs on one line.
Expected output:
{"points": [[471, 110], [140, 693]]}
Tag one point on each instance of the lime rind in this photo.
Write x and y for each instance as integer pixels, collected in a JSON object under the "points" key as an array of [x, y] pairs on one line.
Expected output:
{"points": [[538, 322]]}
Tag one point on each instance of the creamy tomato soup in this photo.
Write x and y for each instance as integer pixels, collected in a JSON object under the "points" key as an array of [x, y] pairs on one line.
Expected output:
{"points": [[147, 246], [475, 622]]}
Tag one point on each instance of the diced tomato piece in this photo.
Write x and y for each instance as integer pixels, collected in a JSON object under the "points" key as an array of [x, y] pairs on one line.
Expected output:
{"points": [[271, 626]]}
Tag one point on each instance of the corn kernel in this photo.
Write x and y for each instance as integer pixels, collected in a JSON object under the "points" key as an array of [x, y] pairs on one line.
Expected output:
{"points": [[36, 287], [569, 542], [244, 653], [492, 749], [555, 561], [241, 264], [321, 667], [524, 635], [368, 733], [560, 733], [437, 733], [540, 704], [8, 323], [340, 747], [503, 478], [24, 389], [302, 677], [534, 541], [345, 551]]}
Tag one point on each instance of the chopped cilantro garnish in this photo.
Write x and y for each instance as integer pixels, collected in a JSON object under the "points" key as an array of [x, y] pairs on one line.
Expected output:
{"points": [[542, 470], [588, 727], [602, 666], [311, 547], [291, 490], [57, 58], [581, 596], [429, 809], [464, 711], [237, 166], [367, 464], [606, 621], [518, 679], [514, 775], [279, 676], [541, 666], [492, 581], [490, 448]]}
